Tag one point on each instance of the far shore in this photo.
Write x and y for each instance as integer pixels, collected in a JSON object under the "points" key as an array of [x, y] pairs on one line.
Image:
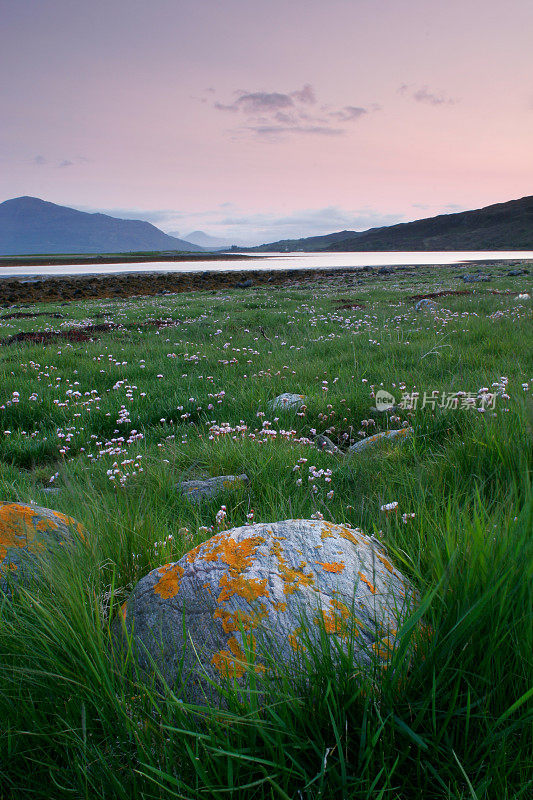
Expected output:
{"points": [[53, 260], [37, 289]]}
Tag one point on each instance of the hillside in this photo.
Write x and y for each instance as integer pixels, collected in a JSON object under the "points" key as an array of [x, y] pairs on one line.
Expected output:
{"points": [[30, 225], [504, 226]]}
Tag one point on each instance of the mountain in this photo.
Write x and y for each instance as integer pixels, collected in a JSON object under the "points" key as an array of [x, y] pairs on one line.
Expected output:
{"points": [[503, 226], [29, 225], [208, 242]]}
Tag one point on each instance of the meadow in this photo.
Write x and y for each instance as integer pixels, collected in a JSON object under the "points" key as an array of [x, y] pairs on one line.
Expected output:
{"points": [[116, 401]]}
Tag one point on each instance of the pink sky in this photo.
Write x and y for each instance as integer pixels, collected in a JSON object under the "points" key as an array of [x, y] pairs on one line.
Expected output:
{"points": [[261, 120]]}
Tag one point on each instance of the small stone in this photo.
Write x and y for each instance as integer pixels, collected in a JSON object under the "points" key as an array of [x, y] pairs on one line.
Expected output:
{"points": [[475, 278], [206, 488], [28, 532], [378, 438], [426, 305], [261, 583], [325, 443], [288, 402]]}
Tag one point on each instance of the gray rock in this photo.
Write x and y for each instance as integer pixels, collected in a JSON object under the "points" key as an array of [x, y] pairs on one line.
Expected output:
{"points": [[378, 438], [476, 278], [390, 410], [288, 402], [325, 443], [206, 488], [256, 586], [27, 533], [515, 272], [426, 304], [245, 284]]}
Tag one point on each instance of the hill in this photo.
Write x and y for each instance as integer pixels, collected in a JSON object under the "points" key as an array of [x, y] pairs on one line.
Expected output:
{"points": [[503, 226], [30, 225]]}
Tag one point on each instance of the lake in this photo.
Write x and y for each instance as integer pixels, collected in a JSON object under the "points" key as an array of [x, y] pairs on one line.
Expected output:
{"points": [[272, 261]]}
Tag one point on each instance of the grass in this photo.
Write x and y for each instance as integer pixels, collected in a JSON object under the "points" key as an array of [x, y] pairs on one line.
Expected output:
{"points": [[452, 718]]}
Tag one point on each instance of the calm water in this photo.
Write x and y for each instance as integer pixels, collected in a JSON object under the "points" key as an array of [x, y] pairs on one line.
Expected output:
{"points": [[273, 261]]}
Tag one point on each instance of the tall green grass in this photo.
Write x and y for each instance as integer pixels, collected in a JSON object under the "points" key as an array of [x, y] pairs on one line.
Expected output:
{"points": [[451, 715]]}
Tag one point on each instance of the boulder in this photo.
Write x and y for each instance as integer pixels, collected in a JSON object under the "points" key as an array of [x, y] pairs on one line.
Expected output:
{"points": [[288, 402], [378, 438], [28, 532], [206, 488], [257, 586]]}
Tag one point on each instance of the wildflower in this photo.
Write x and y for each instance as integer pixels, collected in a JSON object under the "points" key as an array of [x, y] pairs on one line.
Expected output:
{"points": [[389, 507]]}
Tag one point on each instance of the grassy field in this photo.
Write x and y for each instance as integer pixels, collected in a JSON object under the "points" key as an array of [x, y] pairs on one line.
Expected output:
{"points": [[101, 424]]}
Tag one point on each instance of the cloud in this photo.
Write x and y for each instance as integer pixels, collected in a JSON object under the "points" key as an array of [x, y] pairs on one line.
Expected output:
{"points": [[423, 94], [275, 115], [276, 130], [66, 162], [349, 113], [305, 95]]}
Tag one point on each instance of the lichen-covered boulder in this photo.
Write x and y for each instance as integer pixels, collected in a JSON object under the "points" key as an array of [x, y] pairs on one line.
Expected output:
{"points": [[206, 488], [263, 582], [378, 438], [288, 402], [27, 532]]}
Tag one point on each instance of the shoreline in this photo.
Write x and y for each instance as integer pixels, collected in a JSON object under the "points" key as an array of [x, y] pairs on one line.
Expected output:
{"points": [[35, 289]]}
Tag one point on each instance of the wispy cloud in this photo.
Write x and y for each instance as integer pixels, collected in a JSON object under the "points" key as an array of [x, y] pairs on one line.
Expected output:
{"points": [[41, 161], [423, 94], [276, 114]]}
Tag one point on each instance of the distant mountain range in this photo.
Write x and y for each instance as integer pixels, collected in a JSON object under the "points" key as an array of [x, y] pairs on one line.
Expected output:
{"points": [[29, 225], [208, 242], [504, 226]]}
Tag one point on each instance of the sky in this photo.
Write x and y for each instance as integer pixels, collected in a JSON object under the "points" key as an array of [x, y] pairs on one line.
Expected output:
{"points": [[258, 120]]}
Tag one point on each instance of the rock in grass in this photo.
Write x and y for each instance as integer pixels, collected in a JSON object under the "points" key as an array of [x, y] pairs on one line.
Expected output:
{"points": [[279, 585], [288, 402], [378, 438], [476, 278], [28, 532], [206, 488], [426, 304], [325, 443]]}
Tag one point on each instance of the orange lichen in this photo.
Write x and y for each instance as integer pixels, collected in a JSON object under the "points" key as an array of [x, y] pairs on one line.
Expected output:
{"points": [[247, 588], [239, 619], [19, 523], [279, 606], [384, 647], [368, 583], [334, 621], [294, 578], [168, 585], [293, 640], [386, 563], [332, 566], [230, 662], [18, 527]]}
